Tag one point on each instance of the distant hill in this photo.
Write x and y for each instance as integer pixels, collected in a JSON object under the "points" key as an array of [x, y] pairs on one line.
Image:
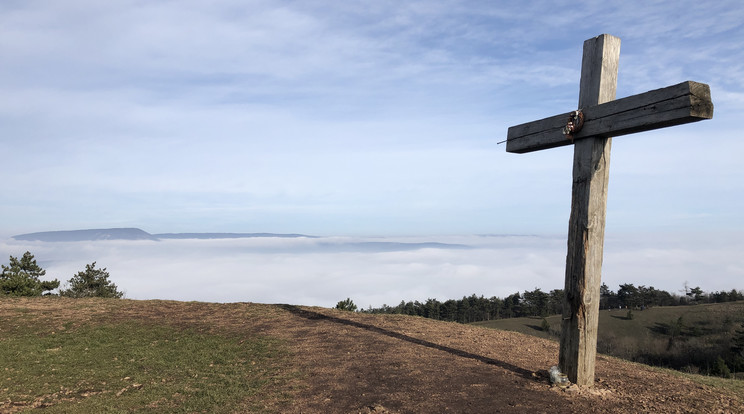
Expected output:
{"points": [[134, 234], [87, 235]]}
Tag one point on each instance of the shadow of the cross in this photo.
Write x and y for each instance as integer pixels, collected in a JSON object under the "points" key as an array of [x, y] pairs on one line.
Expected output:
{"points": [[457, 352]]}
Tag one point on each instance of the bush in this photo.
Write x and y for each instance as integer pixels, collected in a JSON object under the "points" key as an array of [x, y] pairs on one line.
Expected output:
{"points": [[545, 325], [720, 369], [347, 305], [21, 277], [91, 283]]}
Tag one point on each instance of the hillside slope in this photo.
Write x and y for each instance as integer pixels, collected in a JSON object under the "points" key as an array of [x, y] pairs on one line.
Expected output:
{"points": [[688, 338], [341, 362]]}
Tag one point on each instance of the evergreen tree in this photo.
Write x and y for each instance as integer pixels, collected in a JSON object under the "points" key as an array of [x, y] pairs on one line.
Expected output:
{"points": [[91, 283], [535, 303], [21, 277], [720, 369], [737, 349], [738, 342], [512, 306], [696, 294], [605, 296], [448, 311], [628, 295], [432, 309], [347, 305], [555, 302]]}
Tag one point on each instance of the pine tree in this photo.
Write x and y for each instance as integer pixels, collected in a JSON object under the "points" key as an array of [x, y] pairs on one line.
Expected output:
{"points": [[21, 277], [347, 305], [91, 283], [737, 349], [720, 369], [738, 342]]}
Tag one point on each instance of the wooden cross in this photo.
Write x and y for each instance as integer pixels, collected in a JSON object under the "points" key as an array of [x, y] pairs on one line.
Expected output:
{"points": [[602, 118]]}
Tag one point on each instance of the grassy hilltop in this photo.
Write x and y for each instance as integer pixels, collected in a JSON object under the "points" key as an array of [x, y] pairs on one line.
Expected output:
{"points": [[114, 355], [99, 355]]}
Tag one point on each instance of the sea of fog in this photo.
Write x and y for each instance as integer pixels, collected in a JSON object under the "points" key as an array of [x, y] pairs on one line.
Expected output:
{"points": [[375, 271]]}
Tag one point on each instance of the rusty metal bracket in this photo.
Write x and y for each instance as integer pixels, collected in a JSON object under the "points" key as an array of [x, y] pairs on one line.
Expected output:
{"points": [[574, 124]]}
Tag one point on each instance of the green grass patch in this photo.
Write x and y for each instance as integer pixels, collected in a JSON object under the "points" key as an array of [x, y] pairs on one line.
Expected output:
{"points": [[527, 325], [132, 366], [737, 387], [706, 320]]}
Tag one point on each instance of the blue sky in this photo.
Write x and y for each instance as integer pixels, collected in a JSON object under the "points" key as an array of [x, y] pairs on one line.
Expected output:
{"points": [[358, 119], [351, 118]]}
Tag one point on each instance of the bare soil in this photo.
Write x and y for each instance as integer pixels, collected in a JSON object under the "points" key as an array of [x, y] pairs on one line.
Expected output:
{"points": [[344, 362]]}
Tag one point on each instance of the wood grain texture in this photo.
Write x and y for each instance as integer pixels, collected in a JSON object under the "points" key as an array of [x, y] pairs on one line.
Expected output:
{"points": [[604, 117], [674, 105], [587, 222]]}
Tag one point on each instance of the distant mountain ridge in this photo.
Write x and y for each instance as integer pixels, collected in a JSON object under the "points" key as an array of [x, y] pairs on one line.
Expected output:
{"points": [[331, 245], [135, 234]]}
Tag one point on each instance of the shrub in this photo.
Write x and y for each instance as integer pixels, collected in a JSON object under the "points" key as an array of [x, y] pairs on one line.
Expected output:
{"points": [[545, 325], [347, 305]]}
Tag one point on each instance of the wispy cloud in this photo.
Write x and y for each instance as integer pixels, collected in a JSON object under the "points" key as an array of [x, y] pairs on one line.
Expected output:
{"points": [[332, 118]]}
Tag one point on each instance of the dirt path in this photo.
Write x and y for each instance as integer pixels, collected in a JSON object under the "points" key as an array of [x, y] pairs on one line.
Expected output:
{"points": [[368, 363], [345, 362]]}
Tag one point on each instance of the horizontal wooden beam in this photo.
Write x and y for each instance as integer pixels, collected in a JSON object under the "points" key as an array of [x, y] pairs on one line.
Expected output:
{"points": [[674, 105]]}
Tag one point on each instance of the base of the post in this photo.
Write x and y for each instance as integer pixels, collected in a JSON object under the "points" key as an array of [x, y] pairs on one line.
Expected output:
{"points": [[577, 355]]}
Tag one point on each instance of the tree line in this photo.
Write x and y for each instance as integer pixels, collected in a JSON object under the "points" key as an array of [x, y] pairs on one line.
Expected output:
{"points": [[22, 277], [537, 303]]}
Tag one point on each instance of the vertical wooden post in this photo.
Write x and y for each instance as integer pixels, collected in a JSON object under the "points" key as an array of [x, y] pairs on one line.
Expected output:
{"points": [[586, 225]]}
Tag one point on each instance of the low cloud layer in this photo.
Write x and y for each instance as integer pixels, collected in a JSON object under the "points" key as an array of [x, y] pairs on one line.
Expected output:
{"points": [[377, 271]]}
